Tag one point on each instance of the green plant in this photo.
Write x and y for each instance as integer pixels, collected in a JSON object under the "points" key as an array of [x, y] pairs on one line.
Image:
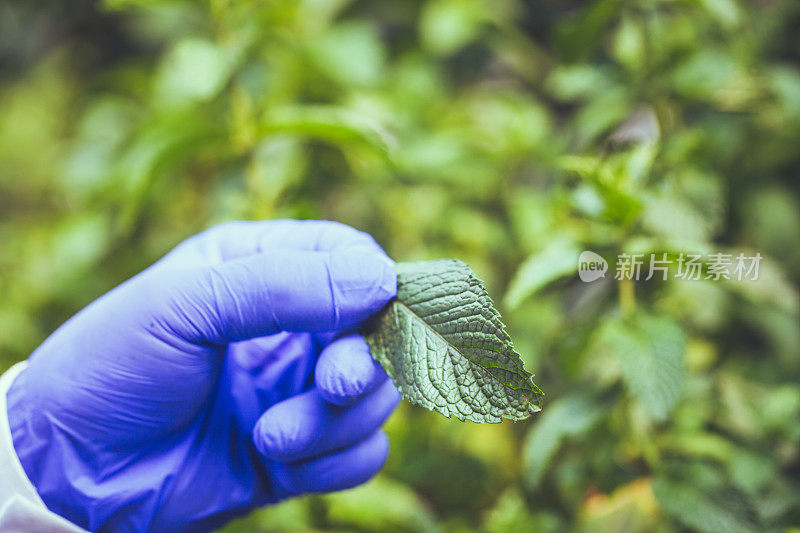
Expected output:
{"points": [[508, 135]]}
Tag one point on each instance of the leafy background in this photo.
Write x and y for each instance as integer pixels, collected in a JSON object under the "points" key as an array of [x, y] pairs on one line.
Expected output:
{"points": [[510, 135]]}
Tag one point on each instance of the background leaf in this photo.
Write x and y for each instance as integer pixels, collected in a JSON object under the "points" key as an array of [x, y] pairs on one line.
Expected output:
{"points": [[565, 418], [558, 259], [384, 505], [721, 509], [651, 354]]}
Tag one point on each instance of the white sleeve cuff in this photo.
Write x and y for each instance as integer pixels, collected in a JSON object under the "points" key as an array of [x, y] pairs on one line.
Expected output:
{"points": [[21, 508]]}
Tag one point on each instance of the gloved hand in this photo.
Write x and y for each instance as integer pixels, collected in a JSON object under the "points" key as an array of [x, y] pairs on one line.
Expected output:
{"points": [[224, 377]]}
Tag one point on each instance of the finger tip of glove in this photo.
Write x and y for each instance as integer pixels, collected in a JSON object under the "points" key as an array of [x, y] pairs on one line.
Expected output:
{"points": [[377, 275], [390, 392], [346, 371], [382, 446], [265, 441], [337, 392], [373, 456], [365, 460], [278, 430]]}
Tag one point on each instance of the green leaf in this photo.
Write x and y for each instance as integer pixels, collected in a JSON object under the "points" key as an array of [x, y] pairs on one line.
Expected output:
{"points": [[161, 143], [277, 163], [706, 508], [629, 48], [672, 217], [350, 54], [381, 505], [195, 70], [569, 416], [577, 82], [651, 354], [512, 513], [447, 25], [579, 34], [771, 285], [443, 344], [687, 208], [559, 258], [334, 124]]}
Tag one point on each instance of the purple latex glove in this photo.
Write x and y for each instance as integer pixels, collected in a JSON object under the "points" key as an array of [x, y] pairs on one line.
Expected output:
{"points": [[224, 377]]}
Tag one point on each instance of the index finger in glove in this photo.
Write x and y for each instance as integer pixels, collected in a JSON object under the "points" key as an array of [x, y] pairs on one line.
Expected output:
{"points": [[233, 240], [282, 290]]}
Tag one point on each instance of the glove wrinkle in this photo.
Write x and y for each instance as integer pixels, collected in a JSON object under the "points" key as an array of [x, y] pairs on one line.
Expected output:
{"points": [[335, 294], [227, 305]]}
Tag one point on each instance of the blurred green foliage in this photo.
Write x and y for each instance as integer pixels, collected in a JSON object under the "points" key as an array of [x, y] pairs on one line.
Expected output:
{"points": [[510, 135]]}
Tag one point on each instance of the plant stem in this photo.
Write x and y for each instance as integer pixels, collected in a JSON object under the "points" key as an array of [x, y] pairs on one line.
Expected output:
{"points": [[627, 297]]}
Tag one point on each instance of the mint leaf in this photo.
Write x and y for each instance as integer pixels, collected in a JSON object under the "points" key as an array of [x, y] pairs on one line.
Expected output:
{"points": [[558, 259], [443, 344], [569, 416], [705, 507], [651, 355]]}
